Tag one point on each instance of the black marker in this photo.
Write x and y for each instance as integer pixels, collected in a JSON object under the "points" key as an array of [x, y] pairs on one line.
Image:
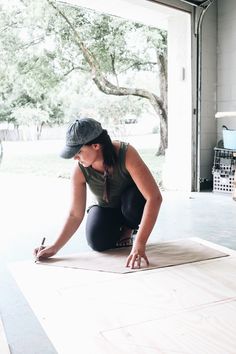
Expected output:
{"points": [[40, 248]]}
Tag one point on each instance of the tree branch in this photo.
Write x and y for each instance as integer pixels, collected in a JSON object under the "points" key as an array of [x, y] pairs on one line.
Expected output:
{"points": [[105, 85], [72, 69], [34, 42], [137, 64]]}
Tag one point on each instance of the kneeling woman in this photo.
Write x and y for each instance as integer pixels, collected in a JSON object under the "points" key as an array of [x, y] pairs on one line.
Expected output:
{"points": [[127, 196]]}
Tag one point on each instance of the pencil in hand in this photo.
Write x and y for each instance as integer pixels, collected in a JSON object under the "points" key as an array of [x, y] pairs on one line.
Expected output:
{"points": [[39, 249]]}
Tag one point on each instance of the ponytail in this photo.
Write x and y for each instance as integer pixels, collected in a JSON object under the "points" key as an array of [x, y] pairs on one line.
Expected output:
{"points": [[108, 150], [109, 158]]}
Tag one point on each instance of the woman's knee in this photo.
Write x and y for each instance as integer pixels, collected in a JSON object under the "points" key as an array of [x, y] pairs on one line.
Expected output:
{"points": [[102, 228], [97, 245], [132, 207]]}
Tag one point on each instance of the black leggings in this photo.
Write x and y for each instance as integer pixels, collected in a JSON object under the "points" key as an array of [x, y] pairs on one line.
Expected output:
{"points": [[103, 226]]}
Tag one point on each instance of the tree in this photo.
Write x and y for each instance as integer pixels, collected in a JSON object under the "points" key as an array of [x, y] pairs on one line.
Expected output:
{"points": [[1, 151], [108, 60], [27, 71], [50, 59]]}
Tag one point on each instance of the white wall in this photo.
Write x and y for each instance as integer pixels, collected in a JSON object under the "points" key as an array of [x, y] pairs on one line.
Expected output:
{"points": [[208, 139], [226, 86], [177, 174]]}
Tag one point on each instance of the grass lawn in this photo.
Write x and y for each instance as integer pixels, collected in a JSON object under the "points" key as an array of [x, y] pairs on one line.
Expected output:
{"points": [[155, 163], [41, 158]]}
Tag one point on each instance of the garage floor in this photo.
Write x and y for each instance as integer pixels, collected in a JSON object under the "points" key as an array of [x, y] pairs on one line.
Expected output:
{"points": [[32, 207]]}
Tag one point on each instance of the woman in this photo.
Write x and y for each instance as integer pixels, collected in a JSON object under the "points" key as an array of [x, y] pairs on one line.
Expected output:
{"points": [[127, 195]]}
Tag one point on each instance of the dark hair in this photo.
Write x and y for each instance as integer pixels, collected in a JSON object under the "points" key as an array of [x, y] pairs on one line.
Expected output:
{"points": [[108, 150], [109, 157]]}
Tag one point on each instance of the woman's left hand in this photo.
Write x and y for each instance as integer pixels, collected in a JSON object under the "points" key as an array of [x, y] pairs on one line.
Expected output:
{"points": [[136, 255]]}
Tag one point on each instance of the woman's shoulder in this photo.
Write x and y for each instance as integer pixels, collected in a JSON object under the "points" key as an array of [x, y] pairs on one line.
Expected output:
{"points": [[126, 151], [78, 175], [125, 147], [120, 145]]}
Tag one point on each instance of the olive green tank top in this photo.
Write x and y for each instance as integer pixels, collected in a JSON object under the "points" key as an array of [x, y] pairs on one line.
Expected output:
{"points": [[118, 181]]}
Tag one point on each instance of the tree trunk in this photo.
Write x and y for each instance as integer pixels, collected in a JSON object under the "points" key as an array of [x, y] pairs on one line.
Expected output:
{"points": [[39, 128], [162, 64], [1, 151], [163, 138]]}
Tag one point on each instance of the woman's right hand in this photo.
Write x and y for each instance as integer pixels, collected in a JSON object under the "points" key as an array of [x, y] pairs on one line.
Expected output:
{"points": [[45, 252]]}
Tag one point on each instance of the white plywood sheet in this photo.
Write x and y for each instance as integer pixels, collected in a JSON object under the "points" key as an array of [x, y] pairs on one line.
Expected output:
{"points": [[208, 329], [4, 348], [186, 309]]}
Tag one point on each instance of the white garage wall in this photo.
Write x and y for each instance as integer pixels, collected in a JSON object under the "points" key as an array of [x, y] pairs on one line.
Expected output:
{"points": [[177, 173], [226, 68], [208, 138]]}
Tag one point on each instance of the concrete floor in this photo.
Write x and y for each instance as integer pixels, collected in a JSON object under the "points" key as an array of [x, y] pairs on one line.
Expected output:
{"points": [[32, 207]]}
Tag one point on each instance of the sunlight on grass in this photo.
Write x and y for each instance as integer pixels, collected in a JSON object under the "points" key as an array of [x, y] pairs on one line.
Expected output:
{"points": [[41, 158], [155, 163]]}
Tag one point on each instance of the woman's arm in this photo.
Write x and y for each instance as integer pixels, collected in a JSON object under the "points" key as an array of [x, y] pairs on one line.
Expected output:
{"points": [[147, 185], [75, 217]]}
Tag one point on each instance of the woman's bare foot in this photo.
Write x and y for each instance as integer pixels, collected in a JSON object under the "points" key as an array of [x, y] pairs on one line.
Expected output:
{"points": [[126, 239]]}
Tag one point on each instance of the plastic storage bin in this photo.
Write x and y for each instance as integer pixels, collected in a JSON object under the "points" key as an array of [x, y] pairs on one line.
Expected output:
{"points": [[224, 170], [234, 190], [223, 183], [229, 138]]}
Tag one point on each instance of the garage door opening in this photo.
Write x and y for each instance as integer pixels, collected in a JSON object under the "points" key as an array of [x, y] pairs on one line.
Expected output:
{"points": [[42, 102], [177, 169]]}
